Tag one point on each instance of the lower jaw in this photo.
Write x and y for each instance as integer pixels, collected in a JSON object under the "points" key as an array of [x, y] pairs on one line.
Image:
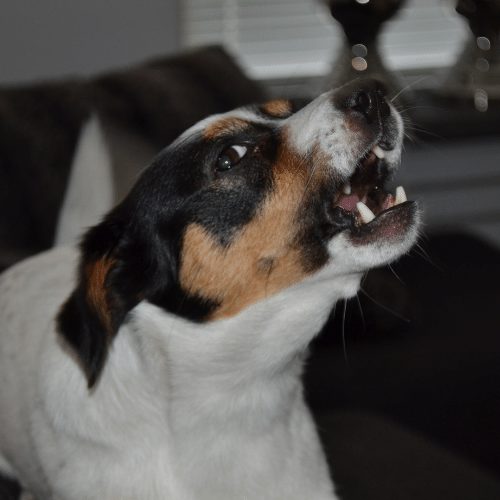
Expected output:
{"points": [[365, 209], [392, 224]]}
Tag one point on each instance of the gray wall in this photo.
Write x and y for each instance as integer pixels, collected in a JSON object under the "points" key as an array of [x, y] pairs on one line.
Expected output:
{"points": [[50, 38]]}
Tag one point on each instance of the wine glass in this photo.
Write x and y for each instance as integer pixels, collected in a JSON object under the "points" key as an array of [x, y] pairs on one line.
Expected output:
{"points": [[477, 71], [362, 21]]}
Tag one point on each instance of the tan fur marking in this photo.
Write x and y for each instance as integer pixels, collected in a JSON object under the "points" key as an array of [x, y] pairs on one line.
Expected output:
{"points": [[224, 126], [96, 273], [279, 108], [263, 257]]}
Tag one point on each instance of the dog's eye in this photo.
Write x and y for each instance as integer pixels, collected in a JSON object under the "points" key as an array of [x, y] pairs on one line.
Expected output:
{"points": [[230, 157]]}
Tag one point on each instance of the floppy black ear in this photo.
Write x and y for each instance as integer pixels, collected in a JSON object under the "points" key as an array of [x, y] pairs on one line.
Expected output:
{"points": [[92, 315]]}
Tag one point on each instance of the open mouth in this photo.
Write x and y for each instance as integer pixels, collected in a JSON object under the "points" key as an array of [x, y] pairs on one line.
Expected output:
{"points": [[364, 197]]}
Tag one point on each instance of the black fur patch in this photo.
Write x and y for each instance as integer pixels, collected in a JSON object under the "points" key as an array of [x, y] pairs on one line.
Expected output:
{"points": [[138, 246]]}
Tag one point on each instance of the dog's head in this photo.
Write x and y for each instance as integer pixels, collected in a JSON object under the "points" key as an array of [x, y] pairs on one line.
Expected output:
{"points": [[242, 206]]}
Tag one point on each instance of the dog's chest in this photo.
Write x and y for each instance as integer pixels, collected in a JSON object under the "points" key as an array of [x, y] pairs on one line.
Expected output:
{"points": [[241, 450], [208, 421]]}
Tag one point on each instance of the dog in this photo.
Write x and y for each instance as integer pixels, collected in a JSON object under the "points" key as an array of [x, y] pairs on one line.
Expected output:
{"points": [[163, 359]]}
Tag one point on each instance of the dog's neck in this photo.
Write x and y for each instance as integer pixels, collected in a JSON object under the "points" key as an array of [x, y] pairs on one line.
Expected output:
{"points": [[216, 395], [206, 366]]}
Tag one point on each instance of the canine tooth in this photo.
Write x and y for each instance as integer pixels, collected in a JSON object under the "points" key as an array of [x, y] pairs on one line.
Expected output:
{"points": [[379, 152], [347, 188], [400, 196], [366, 214]]}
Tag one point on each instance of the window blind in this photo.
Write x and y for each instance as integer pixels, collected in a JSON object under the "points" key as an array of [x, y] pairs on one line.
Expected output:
{"points": [[298, 38]]}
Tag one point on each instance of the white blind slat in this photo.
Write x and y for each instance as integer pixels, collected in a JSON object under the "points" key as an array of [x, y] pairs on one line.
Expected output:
{"points": [[280, 38]]}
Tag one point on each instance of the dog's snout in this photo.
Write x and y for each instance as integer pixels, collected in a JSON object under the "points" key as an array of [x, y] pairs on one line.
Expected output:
{"points": [[366, 97]]}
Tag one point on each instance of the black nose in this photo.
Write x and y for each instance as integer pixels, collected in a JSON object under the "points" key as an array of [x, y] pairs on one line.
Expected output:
{"points": [[366, 97]]}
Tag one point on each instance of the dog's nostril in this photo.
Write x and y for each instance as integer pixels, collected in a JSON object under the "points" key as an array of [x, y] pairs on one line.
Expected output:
{"points": [[372, 104], [362, 102], [363, 96]]}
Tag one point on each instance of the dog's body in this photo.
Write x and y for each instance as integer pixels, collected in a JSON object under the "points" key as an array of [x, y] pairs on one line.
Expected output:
{"points": [[185, 405], [169, 367]]}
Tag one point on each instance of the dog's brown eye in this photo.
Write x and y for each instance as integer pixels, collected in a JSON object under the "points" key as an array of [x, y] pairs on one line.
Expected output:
{"points": [[230, 157]]}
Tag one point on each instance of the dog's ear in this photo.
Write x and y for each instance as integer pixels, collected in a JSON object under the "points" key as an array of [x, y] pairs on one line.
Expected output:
{"points": [[107, 289]]}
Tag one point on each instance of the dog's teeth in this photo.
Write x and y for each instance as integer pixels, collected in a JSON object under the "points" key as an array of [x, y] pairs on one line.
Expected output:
{"points": [[400, 195], [347, 188], [366, 214], [379, 152]]}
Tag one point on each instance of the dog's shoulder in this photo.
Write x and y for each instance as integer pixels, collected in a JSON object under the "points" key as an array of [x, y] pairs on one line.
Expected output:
{"points": [[34, 289], [51, 268]]}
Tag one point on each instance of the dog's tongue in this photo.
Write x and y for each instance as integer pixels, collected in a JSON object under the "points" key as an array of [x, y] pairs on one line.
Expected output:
{"points": [[348, 202]]}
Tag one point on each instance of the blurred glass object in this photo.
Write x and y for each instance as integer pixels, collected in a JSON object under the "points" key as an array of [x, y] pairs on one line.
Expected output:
{"points": [[476, 74], [362, 21]]}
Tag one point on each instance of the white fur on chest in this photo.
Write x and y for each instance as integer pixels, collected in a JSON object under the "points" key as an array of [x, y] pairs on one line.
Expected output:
{"points": [[183, 410]]}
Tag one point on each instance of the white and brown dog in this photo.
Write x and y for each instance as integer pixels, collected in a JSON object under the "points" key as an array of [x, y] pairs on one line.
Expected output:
{"points": [[167, 364]]}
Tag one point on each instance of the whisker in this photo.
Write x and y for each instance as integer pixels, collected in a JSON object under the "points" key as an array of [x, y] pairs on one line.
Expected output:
{"points": [[420, 106], [422, 249], [396, 274], [334, 311], [363, 278], [388, 309], [361, 313], [423, 131], [344, 344], [412, 138], [424, 254], [411, 84]]}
